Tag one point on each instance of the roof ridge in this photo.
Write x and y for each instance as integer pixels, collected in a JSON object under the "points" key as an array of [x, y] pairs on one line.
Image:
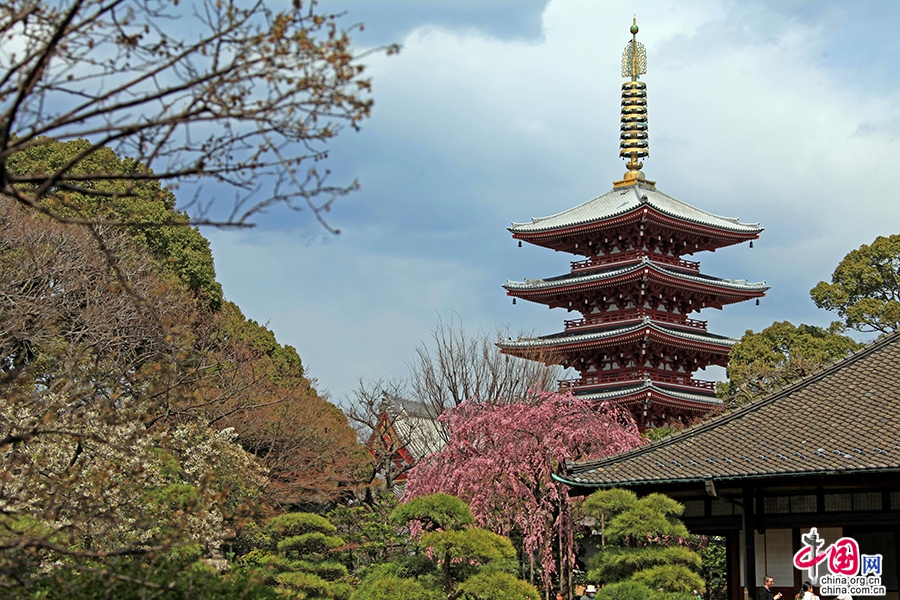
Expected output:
{"points": [[733, 224], [737, 413], [735, 220]]}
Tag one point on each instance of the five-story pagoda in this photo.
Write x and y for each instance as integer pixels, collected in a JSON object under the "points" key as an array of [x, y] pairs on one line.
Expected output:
{"points": [[635, 343]]}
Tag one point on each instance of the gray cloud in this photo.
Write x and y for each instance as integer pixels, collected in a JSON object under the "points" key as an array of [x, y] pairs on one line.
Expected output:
{"points": [[474, 128]]}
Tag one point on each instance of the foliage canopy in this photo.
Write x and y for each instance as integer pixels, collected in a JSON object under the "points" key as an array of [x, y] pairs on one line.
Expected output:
{"points": [[865, 287], [779, 354], [645, 545]]}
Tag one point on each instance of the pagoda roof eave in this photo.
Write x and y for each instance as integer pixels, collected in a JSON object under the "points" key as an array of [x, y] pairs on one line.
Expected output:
{"points": [[657, 394], [615, 334], [568, 281], [620, 201]]}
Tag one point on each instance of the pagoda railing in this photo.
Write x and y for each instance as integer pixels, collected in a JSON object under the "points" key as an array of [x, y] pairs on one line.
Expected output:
{"points": [[631, 314], [627, 375], [608, 259]]}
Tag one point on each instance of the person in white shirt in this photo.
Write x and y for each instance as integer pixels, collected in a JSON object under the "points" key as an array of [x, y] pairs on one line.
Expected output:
{"points": [[806, 592]]}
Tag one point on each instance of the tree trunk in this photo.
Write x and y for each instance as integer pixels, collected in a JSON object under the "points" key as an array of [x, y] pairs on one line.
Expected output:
{"points": [[448, 582]]}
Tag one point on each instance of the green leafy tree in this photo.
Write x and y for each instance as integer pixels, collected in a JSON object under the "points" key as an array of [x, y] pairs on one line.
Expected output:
{"points": [[164, 579], [603, 505], [434, 511], [371, 537], [457, 547], [462, 552], [865, 287], [714, 568], [450, 558], [147, 207], [778, 355], [385, 584], [646, 543], [496, 585], [627, 590], [300, 554]]}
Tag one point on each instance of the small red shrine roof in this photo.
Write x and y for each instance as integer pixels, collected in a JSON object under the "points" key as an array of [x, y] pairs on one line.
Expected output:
{"points": [[416, 425], [591, 338], [572, 279], [619, 201]]}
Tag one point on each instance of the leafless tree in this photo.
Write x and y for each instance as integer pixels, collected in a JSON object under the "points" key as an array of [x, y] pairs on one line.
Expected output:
{"points": [[457, 366], [374, 412], [235, 93]]}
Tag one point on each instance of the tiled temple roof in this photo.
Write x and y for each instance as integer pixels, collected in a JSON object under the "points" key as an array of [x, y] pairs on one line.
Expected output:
{"points": [[844, 419], [418, 428], [622, 200]]}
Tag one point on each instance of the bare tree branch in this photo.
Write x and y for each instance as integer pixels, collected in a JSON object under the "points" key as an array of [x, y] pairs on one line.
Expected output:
{"points": [[239, 94]]}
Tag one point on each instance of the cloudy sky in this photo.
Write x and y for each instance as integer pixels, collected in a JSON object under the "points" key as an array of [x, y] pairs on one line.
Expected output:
{"points": [[783, 112]]}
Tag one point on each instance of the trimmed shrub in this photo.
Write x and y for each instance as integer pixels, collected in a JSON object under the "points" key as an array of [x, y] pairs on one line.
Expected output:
{"points": [[497, 585]]}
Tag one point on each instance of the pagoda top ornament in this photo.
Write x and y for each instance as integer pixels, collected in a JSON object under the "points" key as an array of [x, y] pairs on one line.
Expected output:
{"points": [[634, 145], [634, 57]]}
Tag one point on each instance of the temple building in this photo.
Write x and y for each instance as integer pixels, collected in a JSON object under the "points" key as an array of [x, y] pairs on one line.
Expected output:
{"points": [[406, 432], [635, 342], [823, 452]]}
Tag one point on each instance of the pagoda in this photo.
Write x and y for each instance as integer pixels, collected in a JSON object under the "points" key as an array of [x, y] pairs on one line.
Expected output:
{"points": [[635, 343]]}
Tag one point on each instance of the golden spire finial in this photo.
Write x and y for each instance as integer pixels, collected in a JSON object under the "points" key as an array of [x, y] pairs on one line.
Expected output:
{"points": [[634, 58], [634, 145]]}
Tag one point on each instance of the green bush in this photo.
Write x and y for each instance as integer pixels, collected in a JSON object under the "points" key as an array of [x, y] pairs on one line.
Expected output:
{"points": [[312, 585], [299, 557], [310, 543], [473, 544], [643, 543], [497, 585], [329, 570], [619, 564], [435, 511], [626, 590], [391, 587], [267, 561], [293, 524], [671, 578], [124, 579]]}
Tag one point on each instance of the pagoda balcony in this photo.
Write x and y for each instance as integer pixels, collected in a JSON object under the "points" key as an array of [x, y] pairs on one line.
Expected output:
{"points": [[623, 376], [632, 314], [609, 259]]}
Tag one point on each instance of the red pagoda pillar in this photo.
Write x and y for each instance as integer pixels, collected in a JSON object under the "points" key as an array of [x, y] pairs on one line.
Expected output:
{"points": [[635, 343]]}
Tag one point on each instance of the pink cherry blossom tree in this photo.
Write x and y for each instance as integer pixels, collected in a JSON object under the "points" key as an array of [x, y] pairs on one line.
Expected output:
{"points": [[500, 459]]}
